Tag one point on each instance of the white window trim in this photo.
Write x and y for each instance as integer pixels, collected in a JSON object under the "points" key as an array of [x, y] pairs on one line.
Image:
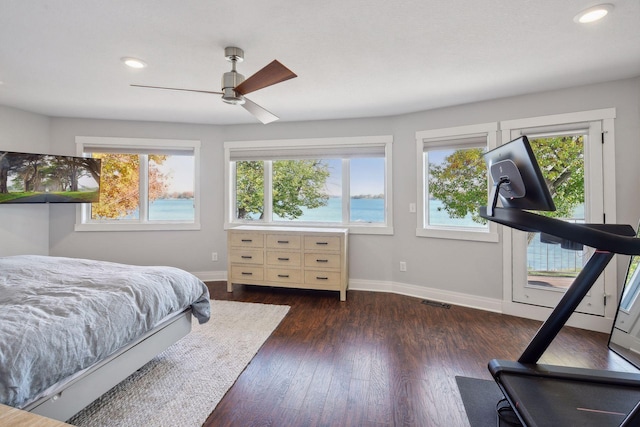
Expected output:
{"points": [[489, 130], [312, 144], [82, 212]]}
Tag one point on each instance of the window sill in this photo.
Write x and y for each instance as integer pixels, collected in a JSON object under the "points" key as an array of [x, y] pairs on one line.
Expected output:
{"points": [[353, 229]]}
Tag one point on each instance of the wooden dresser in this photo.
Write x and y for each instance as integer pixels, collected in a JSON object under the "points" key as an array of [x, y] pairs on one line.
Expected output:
{"points": [[294, 257]]}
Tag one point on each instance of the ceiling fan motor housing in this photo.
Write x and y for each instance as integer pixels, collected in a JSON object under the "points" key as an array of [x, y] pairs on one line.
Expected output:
{"points": [[232, 78]]}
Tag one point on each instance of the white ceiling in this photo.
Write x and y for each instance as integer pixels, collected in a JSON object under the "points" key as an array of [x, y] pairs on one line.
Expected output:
{"points": [[354, 58]]}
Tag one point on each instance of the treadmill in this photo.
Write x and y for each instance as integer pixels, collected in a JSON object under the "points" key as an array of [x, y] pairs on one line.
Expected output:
{"points": [[548, 395]]}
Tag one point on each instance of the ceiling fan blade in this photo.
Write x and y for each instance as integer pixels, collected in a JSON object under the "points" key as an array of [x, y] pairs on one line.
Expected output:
{"points": [[260, 113], [273, 73], [177, 88]]}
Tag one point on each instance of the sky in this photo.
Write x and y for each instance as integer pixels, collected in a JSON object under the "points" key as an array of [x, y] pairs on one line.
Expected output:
{"points": [[180, 169], [367, 177]]}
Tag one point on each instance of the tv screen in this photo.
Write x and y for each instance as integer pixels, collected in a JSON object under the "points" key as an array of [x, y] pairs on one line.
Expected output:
{"points": [[517, 177], [45, 178]]}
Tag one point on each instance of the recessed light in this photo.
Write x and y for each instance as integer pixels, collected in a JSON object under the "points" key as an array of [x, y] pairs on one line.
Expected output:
{"points": [[593, 14], [134, 62]]}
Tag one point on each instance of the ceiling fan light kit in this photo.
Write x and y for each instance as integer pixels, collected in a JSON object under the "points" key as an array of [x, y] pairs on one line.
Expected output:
{"points": [[235, 86]]}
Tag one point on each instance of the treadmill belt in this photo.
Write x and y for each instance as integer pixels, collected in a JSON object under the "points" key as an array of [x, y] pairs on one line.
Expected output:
{"points": [[558, 402]]}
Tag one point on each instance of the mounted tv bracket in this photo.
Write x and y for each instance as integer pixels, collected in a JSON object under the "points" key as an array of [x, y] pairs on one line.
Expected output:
{"points": [[507, 181]]}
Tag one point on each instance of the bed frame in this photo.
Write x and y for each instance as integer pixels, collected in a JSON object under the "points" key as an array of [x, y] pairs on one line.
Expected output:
{"points": [[66, 401]]}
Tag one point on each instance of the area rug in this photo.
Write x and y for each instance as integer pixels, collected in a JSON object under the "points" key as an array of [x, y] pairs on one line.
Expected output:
{"points": [[182, 385], [479, 398]]}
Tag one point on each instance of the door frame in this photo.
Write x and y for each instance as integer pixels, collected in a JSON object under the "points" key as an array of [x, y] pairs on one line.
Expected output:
{"points": [[585, 321]]}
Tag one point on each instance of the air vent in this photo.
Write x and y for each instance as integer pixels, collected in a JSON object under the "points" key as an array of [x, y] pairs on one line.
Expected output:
{"points": [[436, 303]]}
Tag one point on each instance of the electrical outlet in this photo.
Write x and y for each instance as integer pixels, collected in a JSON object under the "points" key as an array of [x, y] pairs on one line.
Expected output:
{"points": [[214, 256], [403, 266]]}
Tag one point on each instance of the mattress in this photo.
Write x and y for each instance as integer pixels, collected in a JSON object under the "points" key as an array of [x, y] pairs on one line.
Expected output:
{"points": [[59, 316]]}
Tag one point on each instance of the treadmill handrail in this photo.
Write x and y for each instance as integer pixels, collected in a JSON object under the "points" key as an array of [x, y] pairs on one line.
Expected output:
{"points": [[615, 238]]}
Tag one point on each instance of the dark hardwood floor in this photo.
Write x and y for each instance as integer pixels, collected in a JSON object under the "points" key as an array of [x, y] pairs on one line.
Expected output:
{"points": [[379, 359]]}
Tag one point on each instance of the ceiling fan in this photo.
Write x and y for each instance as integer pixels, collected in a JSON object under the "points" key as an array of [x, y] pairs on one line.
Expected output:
{"points": [[234, 85]]}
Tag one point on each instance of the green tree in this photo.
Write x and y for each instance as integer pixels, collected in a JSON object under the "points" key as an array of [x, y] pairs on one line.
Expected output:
{"points": [[296, 184], [249, 188], [460, 182]]}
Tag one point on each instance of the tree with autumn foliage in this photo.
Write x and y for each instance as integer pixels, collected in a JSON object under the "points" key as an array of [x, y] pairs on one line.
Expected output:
{"points": [[296, 184], [119, 184], [460, 182]]}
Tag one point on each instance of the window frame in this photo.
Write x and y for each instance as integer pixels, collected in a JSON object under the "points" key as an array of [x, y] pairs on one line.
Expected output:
{"points": [[336, 146], [142, 146], [447, 137]]}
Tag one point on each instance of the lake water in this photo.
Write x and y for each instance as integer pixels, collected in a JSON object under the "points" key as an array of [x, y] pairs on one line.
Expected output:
{"points": [[362, 210], [540, 256], [171, 210]]}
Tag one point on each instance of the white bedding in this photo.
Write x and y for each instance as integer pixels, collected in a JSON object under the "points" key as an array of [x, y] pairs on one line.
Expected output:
{"points": [[61, 315]]}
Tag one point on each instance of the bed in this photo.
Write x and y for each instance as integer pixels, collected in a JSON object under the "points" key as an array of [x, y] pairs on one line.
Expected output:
{"points": [[71, 329]]}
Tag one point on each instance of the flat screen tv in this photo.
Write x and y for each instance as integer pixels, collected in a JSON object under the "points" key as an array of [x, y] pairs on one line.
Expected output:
{"points": [[45, 178], [517, 178]]}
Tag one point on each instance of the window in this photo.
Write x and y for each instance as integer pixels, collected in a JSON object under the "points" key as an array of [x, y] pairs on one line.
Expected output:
{"points": [[453, 182], [145, 184], [321, 182]]}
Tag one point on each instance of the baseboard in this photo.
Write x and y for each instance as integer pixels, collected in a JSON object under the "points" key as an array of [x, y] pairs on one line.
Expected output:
{"points": [[584, 321], [455, 298], [211, 276]]}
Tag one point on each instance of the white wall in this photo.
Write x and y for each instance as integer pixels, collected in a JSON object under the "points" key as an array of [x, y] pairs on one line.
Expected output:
{"points": [[446, 266], [24, 229]]}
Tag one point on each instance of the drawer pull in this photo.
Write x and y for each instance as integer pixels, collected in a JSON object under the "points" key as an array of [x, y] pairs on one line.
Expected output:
{"points": [[286, 276], [322, 243], [283, 259], [246, 256], [322, 278], [247, 240], [284, 242], [246, 273], [322, 260]]}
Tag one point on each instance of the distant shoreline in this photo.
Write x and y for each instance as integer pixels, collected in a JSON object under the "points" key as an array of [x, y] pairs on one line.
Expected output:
{"points": [[362, 196]]}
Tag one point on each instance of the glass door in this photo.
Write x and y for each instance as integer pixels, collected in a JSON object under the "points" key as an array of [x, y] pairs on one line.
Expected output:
{"points": [[544, 267]]}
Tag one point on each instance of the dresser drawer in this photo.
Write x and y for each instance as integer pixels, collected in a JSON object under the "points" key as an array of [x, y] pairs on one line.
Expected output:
{"points": [[322, 260], [284, 275], [284, 259], [325, 278], [325, 243], [283, 241], [246, 272], [247, 240], [247, 256]]}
